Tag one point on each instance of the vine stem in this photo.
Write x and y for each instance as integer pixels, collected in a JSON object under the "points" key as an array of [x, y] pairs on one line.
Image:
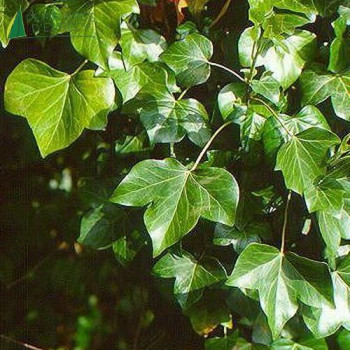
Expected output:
{"points": [[204, 150], [183, 93], [228, 70], [284, 229], [13, 341], [80, 67], [273, 112]]}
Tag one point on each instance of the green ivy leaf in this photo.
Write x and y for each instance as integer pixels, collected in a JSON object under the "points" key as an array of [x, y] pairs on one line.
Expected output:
{"points": [[240, 239], [189, 59], [268, 87], [340, 47], [332, 228], [167, 119], [94, 26], [275, 131], [260, 9], [318, 85], [102, 226], [190, 275], [139, 45], [308, 344], [287, 57], [178, 198], [130, 82], [326, 195], [325, 321], [8, 12], [301, 158], [282, 280], [247, 47], [57, 105]]}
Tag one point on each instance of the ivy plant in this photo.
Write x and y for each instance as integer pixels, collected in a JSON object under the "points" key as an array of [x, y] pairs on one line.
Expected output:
{"points": [[238, 176]]}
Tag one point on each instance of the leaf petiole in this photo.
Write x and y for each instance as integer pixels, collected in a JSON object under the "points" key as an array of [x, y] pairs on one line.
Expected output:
{"points": [[228, 70], [206, 147], [80, 68]]}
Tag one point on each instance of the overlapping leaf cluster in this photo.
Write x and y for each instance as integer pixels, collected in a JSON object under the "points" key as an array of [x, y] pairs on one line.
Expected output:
{"points": [[290, 101]]}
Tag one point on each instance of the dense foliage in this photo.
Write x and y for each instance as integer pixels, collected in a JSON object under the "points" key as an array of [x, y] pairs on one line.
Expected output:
{"points": [[204, 146]]}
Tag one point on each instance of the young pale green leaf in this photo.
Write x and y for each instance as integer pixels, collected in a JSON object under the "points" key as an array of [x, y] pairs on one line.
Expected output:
{"points": [[190, 275], [189, 59], [139, 45], [94, 26], [301, 159], [178, 198], [57, 105], [318, 85], [325, 321], [8, 11], [167, 119], [287, 58], [282, 280]]}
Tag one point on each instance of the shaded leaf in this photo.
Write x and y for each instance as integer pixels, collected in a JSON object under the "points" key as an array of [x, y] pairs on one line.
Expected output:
{"points": [[190, 275]]}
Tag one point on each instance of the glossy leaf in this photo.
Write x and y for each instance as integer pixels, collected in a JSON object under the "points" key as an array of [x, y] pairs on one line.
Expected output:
{"points": [[189, 59], [190, 275], [139, 45], [178, 198], [282, 280], [94, 26], [287, 58], [57, 105], [301, 158], [167, 119], [318, 85]]}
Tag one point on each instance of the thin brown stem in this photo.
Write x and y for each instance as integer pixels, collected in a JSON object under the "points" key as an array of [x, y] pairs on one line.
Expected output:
{"points": [[221, 14], [284, 229], [206, 147]]}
